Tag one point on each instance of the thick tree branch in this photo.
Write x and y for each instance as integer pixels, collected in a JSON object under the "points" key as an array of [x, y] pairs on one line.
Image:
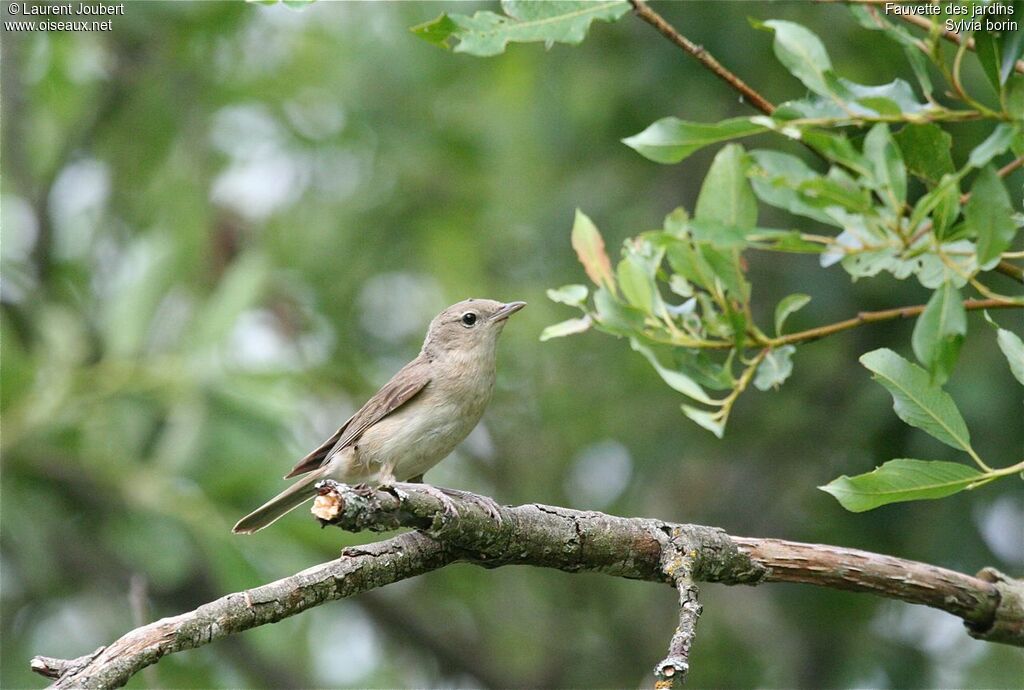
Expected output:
{"points": [[992, 605], [703, 56]]}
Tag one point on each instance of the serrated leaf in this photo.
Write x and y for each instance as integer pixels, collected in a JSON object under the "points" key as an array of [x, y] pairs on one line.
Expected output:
{"points": [[705, 419], [802, 53], [670, 140], [775, 368], [725, 195], [989, 216], [901, 480], [572, 295], [589, 246], [925, 150], [677, 380], [486, 33], [887, 163], [636, 284], [916, 400], [789, 304], [939, 332], [569, 327]]}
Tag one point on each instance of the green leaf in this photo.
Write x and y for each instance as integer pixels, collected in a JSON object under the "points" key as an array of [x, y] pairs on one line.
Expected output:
{"points": [[802, 53], [895, 98], [487, 33], [925, 150], [901, 480], [589, 246], [989, 217], [1012, 347], [688, 262], [918, 61], [1011, 45], [677, 380], [725, 195], [887, 164], [615, 317], [837, 148], [987, 51], [675, 222], [775, 368], [572, 295], [938, 198], [440, 32], [777, 179], [725, 264], [637, 284], [939, 332], [1013, 96], [709, 421], [789, 304], [670, 140], [916, 400], [783, 241], [569, 327], [996, 143]]}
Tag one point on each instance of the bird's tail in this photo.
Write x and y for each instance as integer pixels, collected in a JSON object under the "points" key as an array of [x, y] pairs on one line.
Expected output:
{"points": [[289, 499]]}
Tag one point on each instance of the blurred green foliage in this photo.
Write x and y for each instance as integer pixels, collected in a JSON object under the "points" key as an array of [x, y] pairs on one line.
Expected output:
{"points": [[224, 225]]}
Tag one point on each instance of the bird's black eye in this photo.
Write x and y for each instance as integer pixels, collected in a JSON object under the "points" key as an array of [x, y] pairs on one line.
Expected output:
{"points": [[468, 319]]}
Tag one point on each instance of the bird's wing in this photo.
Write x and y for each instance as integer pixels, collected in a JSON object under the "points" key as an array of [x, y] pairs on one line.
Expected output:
{"points": [[403, 387]]}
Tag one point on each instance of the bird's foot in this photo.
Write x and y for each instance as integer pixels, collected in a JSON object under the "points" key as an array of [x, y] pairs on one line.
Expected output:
{"points": [[448, 506], [486, 503]]}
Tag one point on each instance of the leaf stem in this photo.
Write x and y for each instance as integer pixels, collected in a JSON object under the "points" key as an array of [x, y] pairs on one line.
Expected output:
{"points": [[992, 475]]}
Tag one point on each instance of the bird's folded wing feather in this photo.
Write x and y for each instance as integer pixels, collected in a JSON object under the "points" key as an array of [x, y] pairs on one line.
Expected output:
{"points": [[403, 387]]}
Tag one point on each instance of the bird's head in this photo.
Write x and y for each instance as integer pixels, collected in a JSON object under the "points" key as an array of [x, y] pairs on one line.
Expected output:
{"points": [[469, 325]]}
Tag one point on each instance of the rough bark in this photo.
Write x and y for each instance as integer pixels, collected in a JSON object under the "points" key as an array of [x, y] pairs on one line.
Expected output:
{"points": [[546, 536]]}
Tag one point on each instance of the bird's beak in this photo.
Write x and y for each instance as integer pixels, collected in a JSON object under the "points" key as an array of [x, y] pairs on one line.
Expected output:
{"points": [[507, 310]]}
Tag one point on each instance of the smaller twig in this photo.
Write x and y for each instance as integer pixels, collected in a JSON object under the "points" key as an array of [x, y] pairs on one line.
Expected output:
{"points": [[884, 315], [55, 668], [677, 559], [702, 55], [1010, 167], [1012, 270]]}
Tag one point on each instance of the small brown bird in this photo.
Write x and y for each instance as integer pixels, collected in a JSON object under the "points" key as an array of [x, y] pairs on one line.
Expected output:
{"points": [[415, 420]]}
